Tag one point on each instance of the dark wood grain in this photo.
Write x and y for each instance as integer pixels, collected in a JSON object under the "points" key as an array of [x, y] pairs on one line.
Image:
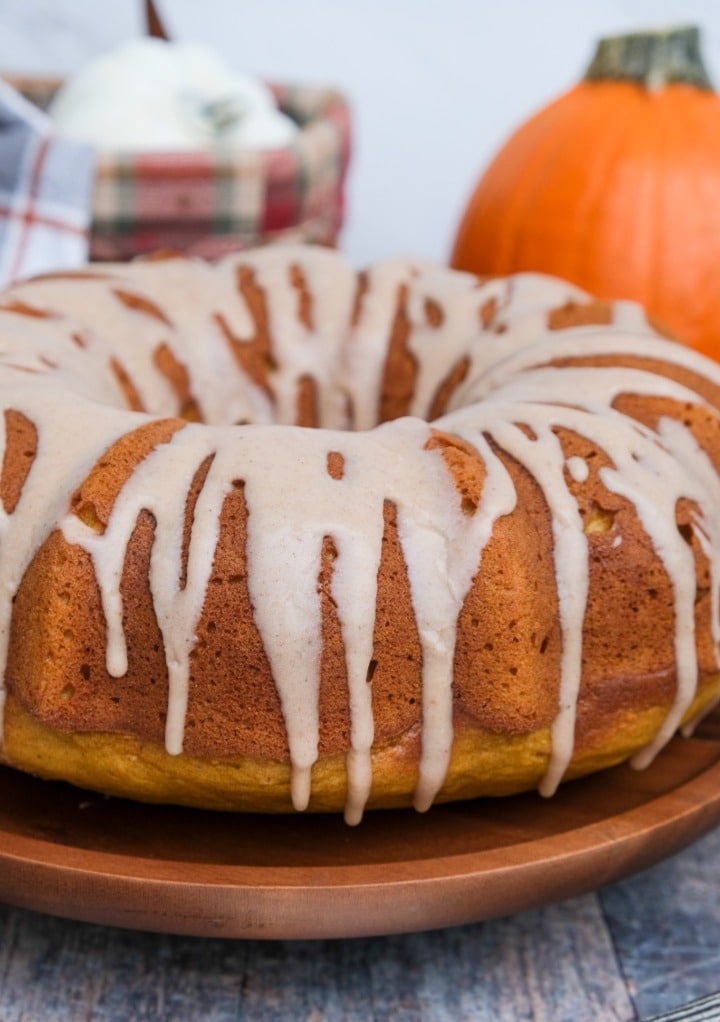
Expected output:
{"points": [[183, 871]]}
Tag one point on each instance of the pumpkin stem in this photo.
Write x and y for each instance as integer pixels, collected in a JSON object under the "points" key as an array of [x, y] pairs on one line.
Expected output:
{"points": [[153, 21], [651, 59]]}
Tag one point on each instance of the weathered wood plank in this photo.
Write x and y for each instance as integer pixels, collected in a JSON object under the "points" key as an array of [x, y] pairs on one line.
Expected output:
{"points": [[665, 924], [706, 1009], [552, 964]]}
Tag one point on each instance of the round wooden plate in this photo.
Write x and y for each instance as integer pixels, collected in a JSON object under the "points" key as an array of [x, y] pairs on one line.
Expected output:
{"points": [[166, 869]]}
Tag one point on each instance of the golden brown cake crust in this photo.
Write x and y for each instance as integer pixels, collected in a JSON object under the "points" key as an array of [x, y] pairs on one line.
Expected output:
{"points": [[482, 764]]}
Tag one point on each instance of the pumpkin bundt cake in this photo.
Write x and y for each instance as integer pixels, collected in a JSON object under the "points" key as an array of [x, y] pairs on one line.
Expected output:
{"points": [[276, 534]]}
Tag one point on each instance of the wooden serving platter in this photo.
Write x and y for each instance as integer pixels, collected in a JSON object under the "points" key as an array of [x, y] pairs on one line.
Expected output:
{"points": [[165, 869]]}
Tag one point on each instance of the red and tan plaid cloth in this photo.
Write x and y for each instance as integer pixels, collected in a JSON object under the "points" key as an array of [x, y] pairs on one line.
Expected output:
{"points": [[45, 188], [209, 204]]}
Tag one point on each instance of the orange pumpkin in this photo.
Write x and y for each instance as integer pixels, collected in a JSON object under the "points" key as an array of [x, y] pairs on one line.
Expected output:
{"points": [[615, 186]]}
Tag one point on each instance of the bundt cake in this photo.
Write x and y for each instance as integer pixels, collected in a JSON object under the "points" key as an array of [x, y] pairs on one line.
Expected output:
{"points": [[278, 534]]}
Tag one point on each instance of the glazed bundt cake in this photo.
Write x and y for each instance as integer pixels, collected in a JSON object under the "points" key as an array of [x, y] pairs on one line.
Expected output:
{"points": [[277, 534]]}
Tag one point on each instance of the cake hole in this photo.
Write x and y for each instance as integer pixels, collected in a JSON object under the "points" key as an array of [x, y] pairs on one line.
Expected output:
{"points": [[598, 520], [372, 667], [468, 506], [544, 644], [85, 671], [67, 692]]}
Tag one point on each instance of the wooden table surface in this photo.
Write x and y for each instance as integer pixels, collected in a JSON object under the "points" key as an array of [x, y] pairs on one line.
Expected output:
{"points": [[630, 951]]}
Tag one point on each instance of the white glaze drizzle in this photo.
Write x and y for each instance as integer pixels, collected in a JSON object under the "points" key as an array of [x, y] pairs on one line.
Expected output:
{"points": [[285, 537], [154, 486], [453, 557], [288, 522], [578, 469], [63, 459]]}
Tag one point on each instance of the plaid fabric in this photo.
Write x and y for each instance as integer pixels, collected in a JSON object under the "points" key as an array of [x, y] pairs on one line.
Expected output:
{"points": [[45, 188], [209, 204]]}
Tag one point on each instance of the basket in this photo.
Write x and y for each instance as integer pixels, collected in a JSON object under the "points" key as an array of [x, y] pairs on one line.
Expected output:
{"points": [[208, 204]]}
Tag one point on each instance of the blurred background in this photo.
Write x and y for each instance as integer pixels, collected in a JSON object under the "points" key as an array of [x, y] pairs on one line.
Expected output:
{"points": [[435, 85]]}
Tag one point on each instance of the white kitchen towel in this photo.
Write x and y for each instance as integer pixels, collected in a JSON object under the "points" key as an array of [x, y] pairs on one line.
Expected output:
{"points": [[46, 184]]}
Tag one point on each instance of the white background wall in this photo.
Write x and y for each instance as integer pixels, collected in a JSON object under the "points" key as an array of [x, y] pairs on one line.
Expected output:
{"points": [[435, 85]]}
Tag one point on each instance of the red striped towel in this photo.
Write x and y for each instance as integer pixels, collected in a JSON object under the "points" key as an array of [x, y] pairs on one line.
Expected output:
{"points": [[208, 203]]}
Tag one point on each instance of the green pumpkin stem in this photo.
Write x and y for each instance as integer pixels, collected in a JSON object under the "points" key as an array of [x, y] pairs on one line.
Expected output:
{"points": [[651, 59]]}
